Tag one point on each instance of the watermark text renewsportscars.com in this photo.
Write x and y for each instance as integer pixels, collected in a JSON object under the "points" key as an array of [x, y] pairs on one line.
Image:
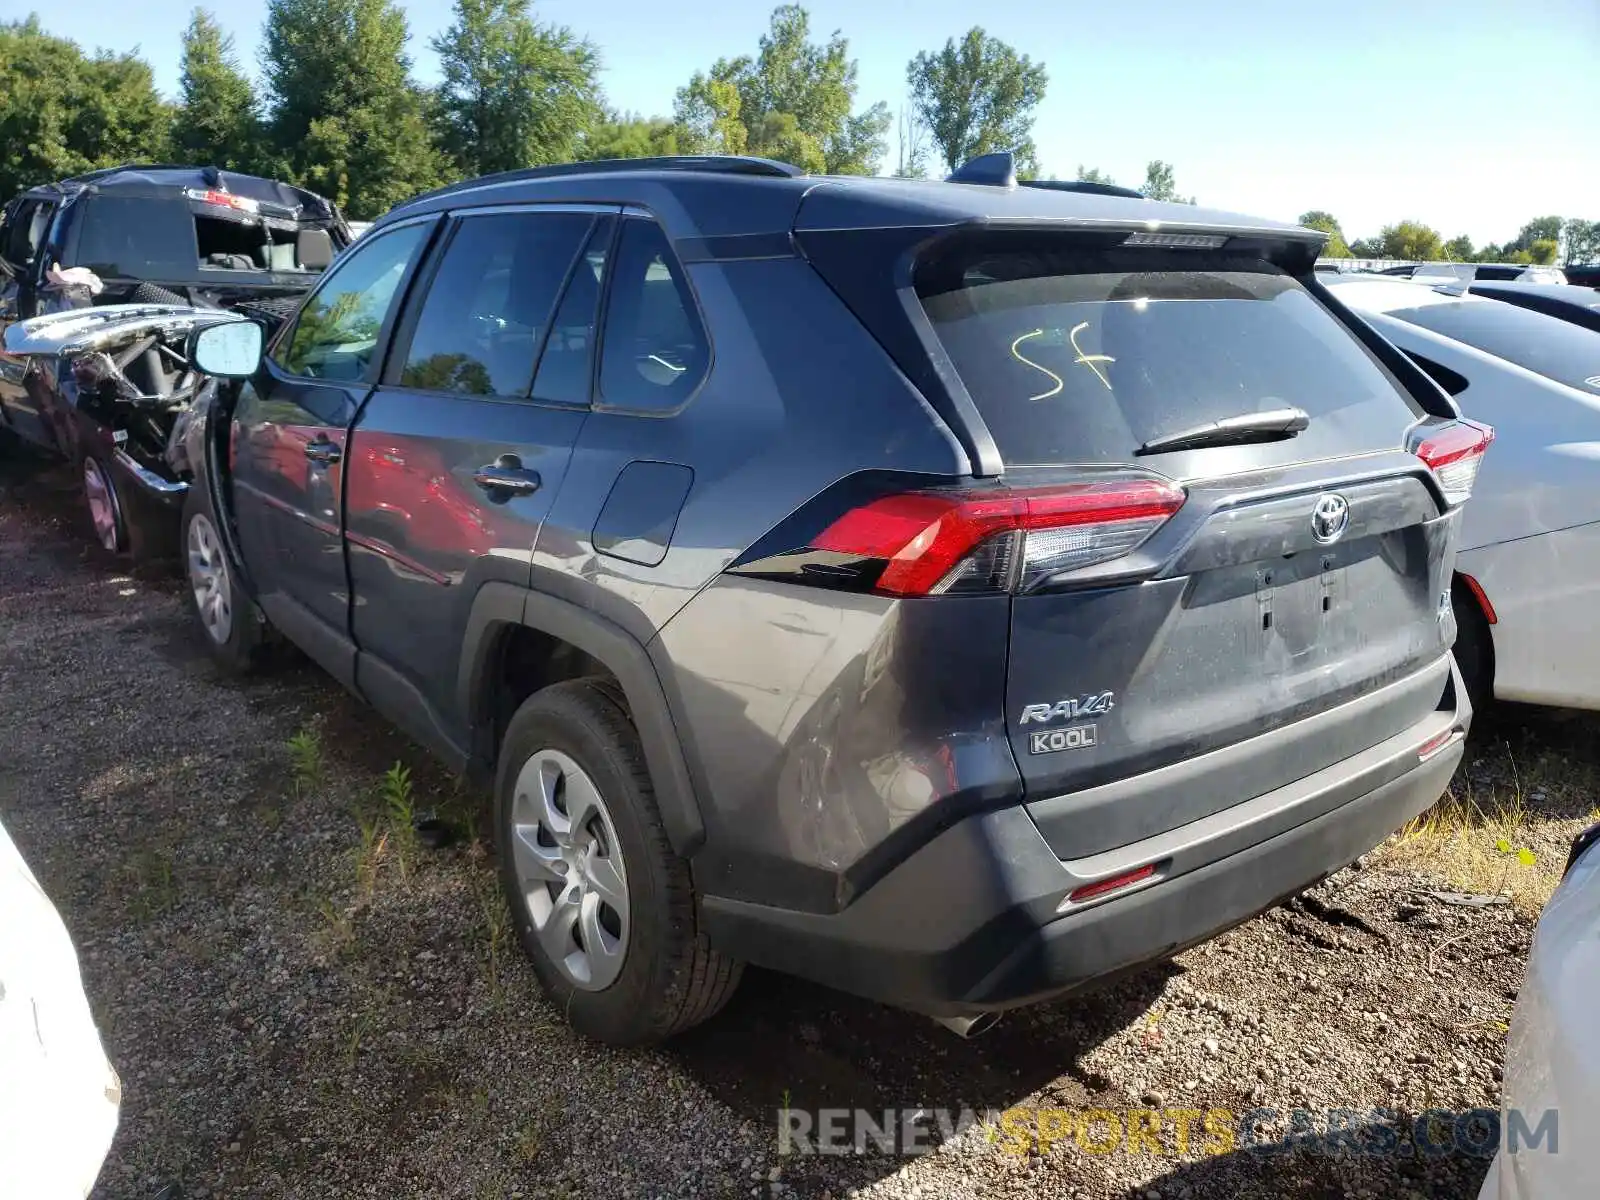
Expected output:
{"points": [[1349, 1132]]}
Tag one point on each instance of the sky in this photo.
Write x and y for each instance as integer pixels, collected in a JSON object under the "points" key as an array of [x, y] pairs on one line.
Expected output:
{"points": [[1472, 116]]}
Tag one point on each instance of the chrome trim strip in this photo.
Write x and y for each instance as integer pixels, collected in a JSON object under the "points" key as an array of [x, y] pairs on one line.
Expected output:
{"points": [[147, 478]]}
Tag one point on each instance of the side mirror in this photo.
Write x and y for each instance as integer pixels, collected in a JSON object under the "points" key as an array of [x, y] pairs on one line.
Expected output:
{"points": [[230, 350]]}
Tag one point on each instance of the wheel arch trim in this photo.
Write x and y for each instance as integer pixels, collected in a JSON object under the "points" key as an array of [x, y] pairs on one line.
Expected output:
{"points": [[498, 606]]}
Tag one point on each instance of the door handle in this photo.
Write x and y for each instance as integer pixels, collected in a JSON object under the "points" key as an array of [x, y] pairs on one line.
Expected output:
{"points": [[506, 477], [323, 451]]}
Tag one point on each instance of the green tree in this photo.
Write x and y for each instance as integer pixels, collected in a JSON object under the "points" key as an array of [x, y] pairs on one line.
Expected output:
{"points": [[1459, 249], [977, 96], [795, 101], [1094, 175], [1160, 183], [345, 115], [911, 144], [1580, 241], [710, 113], [1544, 251], [1366, 248], [1410, 239], [1324, 221], [1540, 229], [628, 135], [63, 112], [217, 122], [515, 93]]}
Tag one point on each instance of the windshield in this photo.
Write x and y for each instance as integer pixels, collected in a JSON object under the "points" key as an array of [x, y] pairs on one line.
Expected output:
{"points": [[1556, 349], [1075, 357]]}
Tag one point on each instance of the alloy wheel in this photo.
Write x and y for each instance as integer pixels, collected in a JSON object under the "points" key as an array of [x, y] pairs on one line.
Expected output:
{"points": [[208, 576], [104, 510], [570, 870]]}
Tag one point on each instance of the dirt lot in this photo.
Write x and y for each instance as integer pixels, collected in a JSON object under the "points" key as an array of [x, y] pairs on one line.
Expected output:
{"points": [[303, 1002]]}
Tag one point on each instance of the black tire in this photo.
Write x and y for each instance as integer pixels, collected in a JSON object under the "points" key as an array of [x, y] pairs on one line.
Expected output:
{"points": [[154, 293], [271, 312], [1474, 648], [670, 978], [249, 642]]}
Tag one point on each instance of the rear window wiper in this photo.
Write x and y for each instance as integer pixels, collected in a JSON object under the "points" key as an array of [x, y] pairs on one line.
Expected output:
{"points": [[1272, 426]]}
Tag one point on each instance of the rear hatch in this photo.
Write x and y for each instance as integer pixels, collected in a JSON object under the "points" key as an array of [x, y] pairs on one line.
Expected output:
{"points": [[1224, 525]]}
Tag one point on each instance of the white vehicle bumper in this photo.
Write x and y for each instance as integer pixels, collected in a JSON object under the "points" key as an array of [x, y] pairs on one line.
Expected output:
{"points": [[59, 1096], [1553, 1052]]}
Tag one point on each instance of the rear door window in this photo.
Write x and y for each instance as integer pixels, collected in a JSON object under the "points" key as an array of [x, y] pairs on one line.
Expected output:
{"points": [[489, 304], [1549, 346], [567, 364], [1086, 356]]}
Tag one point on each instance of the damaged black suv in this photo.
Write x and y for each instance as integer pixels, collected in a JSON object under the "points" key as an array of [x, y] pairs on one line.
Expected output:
{"points": [[179, 242]]}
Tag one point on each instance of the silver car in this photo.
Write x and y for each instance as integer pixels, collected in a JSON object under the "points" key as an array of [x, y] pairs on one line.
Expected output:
{"points": [[1528, 570], [1552, 1076]]}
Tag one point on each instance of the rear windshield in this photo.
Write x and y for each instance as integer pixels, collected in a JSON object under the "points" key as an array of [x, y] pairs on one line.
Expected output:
{"points": [[147, 237], [1079, 357], [1554, 348], [138, 237]]}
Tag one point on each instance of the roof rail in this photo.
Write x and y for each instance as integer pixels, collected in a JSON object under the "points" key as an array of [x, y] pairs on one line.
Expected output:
{"points": [[1083, 185], [727, 164]]}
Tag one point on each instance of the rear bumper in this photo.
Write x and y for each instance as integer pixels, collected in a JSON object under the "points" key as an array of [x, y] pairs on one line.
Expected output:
{"points": [[979, 919]]}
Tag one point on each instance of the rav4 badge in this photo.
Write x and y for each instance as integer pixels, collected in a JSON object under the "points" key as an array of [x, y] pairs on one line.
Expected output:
{"points": [[1095, 704]]}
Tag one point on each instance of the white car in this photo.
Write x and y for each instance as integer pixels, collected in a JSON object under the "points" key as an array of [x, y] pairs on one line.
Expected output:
{"points": [[1553, 1052], [1436, 272], [59, 1096], [1528, 569]]}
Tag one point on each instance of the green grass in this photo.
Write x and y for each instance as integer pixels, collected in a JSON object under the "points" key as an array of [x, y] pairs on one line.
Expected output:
{"points": [[399, 808], [305, 761]]}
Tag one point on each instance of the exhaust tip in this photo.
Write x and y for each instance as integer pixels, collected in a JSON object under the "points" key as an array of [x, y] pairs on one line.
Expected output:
{"points": [[970, 1027]]}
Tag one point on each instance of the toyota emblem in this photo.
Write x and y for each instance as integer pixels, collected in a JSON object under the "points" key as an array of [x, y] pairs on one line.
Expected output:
{"points": [[1329, 518]]}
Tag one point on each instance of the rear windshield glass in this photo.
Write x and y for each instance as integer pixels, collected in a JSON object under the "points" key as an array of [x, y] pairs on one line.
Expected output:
{"points": [[1080, 357], [146, 237], [137, 237], [1554, 348]]}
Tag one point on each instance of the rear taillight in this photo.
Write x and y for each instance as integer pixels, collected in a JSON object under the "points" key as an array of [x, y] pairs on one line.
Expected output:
{"points": [[1454, 452], [942, 543]]}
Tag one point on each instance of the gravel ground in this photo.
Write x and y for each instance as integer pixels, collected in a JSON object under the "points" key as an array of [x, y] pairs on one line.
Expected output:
{"points": [[301, 1005]]}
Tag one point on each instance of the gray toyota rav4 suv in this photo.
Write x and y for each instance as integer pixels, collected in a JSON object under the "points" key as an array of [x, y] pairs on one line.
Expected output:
{"points": [[957, 593]]}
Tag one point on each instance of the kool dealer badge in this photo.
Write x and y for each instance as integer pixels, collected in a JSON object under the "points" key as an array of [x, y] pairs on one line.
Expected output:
{"points": [[1049, 741]]}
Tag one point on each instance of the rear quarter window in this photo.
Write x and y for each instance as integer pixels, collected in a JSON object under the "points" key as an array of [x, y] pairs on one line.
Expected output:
{"points": [[654, 352], [1084, 357]]}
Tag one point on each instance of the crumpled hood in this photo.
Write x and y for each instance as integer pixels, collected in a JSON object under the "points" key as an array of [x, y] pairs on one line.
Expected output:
{"points": [[59, 1096], [82, 329]]}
